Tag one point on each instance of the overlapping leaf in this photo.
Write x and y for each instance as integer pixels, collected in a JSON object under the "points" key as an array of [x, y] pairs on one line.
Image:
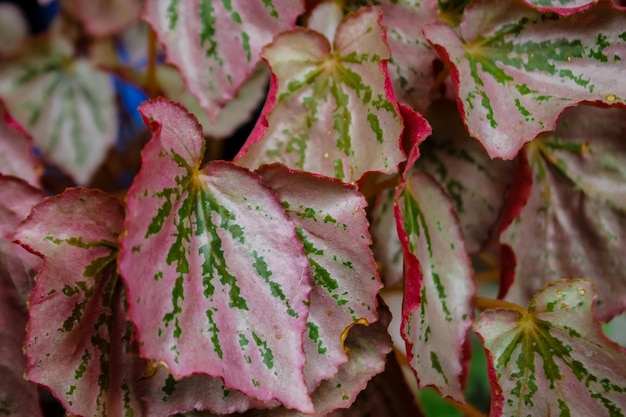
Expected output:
{"points": [[555, 359], [17, 396], [574, 222], [78, 342], [65, 104], [105, 17], [330, 109], [207, 253], [411, 62], [330, 220], [216, 44], [517, 69], [437, 307], [562, 7], [15, 151], [16, 201], [387, 247], [475, 182]]}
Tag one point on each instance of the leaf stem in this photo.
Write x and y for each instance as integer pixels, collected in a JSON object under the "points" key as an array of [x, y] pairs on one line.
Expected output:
{"points": [[151, 79], [490, 303], [467, 409]]}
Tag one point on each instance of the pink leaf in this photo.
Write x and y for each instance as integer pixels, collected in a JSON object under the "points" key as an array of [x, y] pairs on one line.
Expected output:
{"points": [[78, 342], [18, 397], [331, 222], [216, 275], [437, 306], [105, 17], [16, 201], [574, 223], [16, 158], [216, 44], [516, 70], [330, 110], [562, 7], [411, 62], [65, 104], [555, 359]]}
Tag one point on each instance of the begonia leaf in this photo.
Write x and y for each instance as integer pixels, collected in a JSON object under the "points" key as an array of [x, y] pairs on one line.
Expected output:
{"points": [[368, 347], [18, 397], [475, 183], [79, 343], [387, 247], [105, 17], [331, 222], [437, 307], [562, 7], [517, 69], [555, 359], [16, 201], [330, 110], [216, 44], [16, 158], [234, 114], [574, 221], [64, 103], [411, 62], [207, 252], [325, 18]]}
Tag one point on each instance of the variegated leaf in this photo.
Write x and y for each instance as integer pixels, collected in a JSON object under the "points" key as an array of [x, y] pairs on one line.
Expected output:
{"points": [[105, 17], [368, 347], [16, 158], [79, 343], [330, 109], [216, 44], [387, 247], [437, 308], [411, 62], [517, 69], [218, 281], [234, 114], [562, 7], [18, 397], [16, 201], [331, 222], [164, 396], [574, 221], [65, 104], [554, 360], [475, 183]]}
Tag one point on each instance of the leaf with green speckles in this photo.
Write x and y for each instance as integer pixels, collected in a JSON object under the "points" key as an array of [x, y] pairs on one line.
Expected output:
{"points": [[368, 347], [411, 63], [18, 397], [573, 223], [64, 103], [330, 109], [555, 360], [216, 44], [16, 157], [229, 255], [562, 7], [79, 343], [104, 17], [16, 201], [516, 69], [331, 222], [475, 183], [438, 285]]}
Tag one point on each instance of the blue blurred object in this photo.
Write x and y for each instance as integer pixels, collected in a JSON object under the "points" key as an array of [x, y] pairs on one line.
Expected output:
{"points": [[130, 121]]}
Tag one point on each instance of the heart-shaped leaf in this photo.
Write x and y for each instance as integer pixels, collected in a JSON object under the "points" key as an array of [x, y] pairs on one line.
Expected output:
{"points": [[216, 44], [65, 104], [207, 253], [555, 359], [516, 69], [411, 62], [330, 110], [16, 158], [574, 221], [16, 201], [79, 343], [18, 397], [438, 289], [331, 222]]}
